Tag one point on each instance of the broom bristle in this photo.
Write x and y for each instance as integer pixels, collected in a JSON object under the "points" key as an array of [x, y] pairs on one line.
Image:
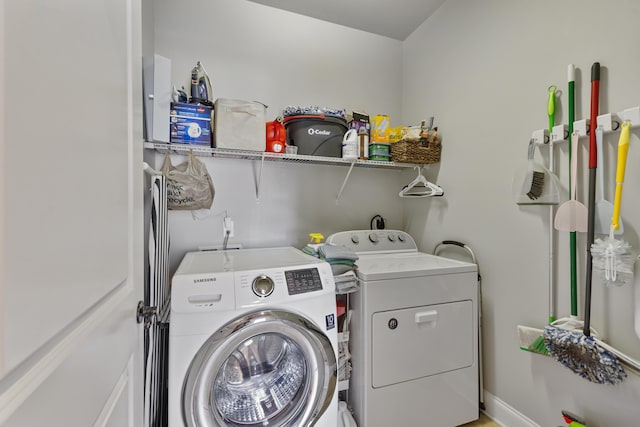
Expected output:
{"points": [[539, 346], [537, 185]]}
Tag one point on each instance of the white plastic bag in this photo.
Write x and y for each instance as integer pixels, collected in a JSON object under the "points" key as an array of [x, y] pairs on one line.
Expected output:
{"points": [[189, 185]]}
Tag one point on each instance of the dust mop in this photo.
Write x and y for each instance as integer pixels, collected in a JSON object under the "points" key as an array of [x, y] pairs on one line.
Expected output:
{"points": [[612, 258]]}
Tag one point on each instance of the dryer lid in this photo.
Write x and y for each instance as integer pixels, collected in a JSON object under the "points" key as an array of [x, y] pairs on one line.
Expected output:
{"points": [[403, 265], [204, 262]]}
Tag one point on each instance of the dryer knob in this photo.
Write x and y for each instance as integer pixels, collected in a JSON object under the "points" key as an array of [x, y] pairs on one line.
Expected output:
{"points": [[373, 237], [355, 239], [401, 237], [391, 238], [262, 286]]}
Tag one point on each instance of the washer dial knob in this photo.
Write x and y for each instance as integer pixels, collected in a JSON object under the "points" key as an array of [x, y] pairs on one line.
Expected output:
{"points": [[262, 286]]}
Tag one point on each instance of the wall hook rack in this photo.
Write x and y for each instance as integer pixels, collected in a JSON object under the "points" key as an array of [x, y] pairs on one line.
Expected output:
{"points": [[609, 122], [540, 136], [632, 115], [559, 133], [582, 127]]}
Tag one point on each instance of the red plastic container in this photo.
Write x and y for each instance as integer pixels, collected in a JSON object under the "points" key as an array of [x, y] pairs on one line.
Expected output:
{"points": [[276, 136]]}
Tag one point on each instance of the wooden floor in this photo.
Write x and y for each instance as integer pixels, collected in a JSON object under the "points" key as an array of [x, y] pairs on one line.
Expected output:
{"points": [[484, 421]]}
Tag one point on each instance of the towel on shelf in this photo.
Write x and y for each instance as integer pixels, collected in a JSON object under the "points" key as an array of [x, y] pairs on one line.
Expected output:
{"points": [[341, 268], [346, 282], [337, 252], [343, 264], [310, 251]]}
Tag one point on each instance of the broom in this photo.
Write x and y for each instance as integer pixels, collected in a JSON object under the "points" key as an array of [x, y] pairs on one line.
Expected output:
{"points": [[538, 346]]}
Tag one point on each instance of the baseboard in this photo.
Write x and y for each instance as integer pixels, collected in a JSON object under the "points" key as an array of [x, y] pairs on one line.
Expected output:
{"points": [[504, 414]]}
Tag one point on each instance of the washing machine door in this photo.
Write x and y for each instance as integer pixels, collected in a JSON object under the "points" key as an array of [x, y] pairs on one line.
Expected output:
{"points": [[266, 368]]}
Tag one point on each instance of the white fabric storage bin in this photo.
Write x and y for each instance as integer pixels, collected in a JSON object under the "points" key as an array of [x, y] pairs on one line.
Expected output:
{"points": [[240, 125]]}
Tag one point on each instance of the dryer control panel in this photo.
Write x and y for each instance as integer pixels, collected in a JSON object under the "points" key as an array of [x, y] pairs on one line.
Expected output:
{"points": [[374, 241]]}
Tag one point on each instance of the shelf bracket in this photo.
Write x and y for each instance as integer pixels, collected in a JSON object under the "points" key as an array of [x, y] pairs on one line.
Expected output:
{"points": [[346, 178], [259, 178]]}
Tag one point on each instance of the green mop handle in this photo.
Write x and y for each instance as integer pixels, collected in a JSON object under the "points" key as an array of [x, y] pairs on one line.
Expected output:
{"points": [[551, 113], [572, 235]]}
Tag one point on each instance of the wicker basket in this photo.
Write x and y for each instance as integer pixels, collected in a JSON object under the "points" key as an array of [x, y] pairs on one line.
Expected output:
{"points": [[418, 151]]}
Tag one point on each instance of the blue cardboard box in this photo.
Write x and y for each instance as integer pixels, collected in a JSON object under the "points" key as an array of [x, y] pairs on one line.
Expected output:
{"points": [[190, 124]]}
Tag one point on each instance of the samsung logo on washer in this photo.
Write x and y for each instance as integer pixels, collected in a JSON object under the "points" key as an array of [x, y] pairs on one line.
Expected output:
{"points": [[204, 280], [313, 131]]}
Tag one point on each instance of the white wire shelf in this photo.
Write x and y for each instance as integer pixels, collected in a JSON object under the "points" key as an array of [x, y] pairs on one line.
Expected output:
{"points": [[258, 155]]}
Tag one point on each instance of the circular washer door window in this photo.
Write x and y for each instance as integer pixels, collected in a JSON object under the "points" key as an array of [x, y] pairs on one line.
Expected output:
{"points": [[266, 368]]}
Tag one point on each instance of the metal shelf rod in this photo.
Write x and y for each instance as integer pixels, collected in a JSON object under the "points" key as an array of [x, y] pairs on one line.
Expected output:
{"points": [[257, 155]]}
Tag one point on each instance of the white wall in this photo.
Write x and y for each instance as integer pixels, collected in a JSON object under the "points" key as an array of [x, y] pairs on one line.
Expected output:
{"points": [[483, 68], [254, 52]]}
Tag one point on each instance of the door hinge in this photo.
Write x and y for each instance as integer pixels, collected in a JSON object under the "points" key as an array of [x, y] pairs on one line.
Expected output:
{"points": [[146, 313]]}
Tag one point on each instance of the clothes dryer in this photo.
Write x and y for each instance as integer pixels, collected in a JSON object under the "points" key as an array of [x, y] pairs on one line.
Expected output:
{"points": [[414, 329], [252, 340]]}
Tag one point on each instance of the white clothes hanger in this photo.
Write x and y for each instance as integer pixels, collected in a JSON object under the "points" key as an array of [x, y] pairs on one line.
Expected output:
{"points": [[421, 187]]}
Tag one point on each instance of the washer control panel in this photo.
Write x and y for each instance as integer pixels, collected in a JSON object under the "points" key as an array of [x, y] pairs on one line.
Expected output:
{"points": [[372, 241], [303, 281]]}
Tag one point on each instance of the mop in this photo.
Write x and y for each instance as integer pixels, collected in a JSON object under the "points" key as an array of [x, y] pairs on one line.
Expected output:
{"points": [[579, 351], [611, 257]]}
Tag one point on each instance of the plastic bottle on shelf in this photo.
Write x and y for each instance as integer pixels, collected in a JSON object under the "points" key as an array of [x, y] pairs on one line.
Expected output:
{"points": [[350, 145], [363, 137]]}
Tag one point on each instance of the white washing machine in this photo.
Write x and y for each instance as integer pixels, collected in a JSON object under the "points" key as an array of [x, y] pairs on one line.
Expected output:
{"points": [[414, 334], [252, 340]]}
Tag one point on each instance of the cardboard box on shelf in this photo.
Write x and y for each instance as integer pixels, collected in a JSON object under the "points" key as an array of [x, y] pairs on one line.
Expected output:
{"points": [[190, 124]]}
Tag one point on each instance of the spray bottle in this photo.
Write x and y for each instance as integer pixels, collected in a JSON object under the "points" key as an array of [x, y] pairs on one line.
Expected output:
{"points": [[314, 244]]}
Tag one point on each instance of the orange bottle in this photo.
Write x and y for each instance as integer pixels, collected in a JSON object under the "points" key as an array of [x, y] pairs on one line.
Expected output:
{"points": [[276, 136]]}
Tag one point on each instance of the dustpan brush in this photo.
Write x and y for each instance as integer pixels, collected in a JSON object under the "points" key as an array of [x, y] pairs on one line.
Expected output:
{"points": [[537, 185], [533, 184]]}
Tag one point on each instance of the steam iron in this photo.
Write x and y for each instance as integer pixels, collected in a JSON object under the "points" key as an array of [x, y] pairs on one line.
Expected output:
{"points": [[201, 92], [179, 95]]}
